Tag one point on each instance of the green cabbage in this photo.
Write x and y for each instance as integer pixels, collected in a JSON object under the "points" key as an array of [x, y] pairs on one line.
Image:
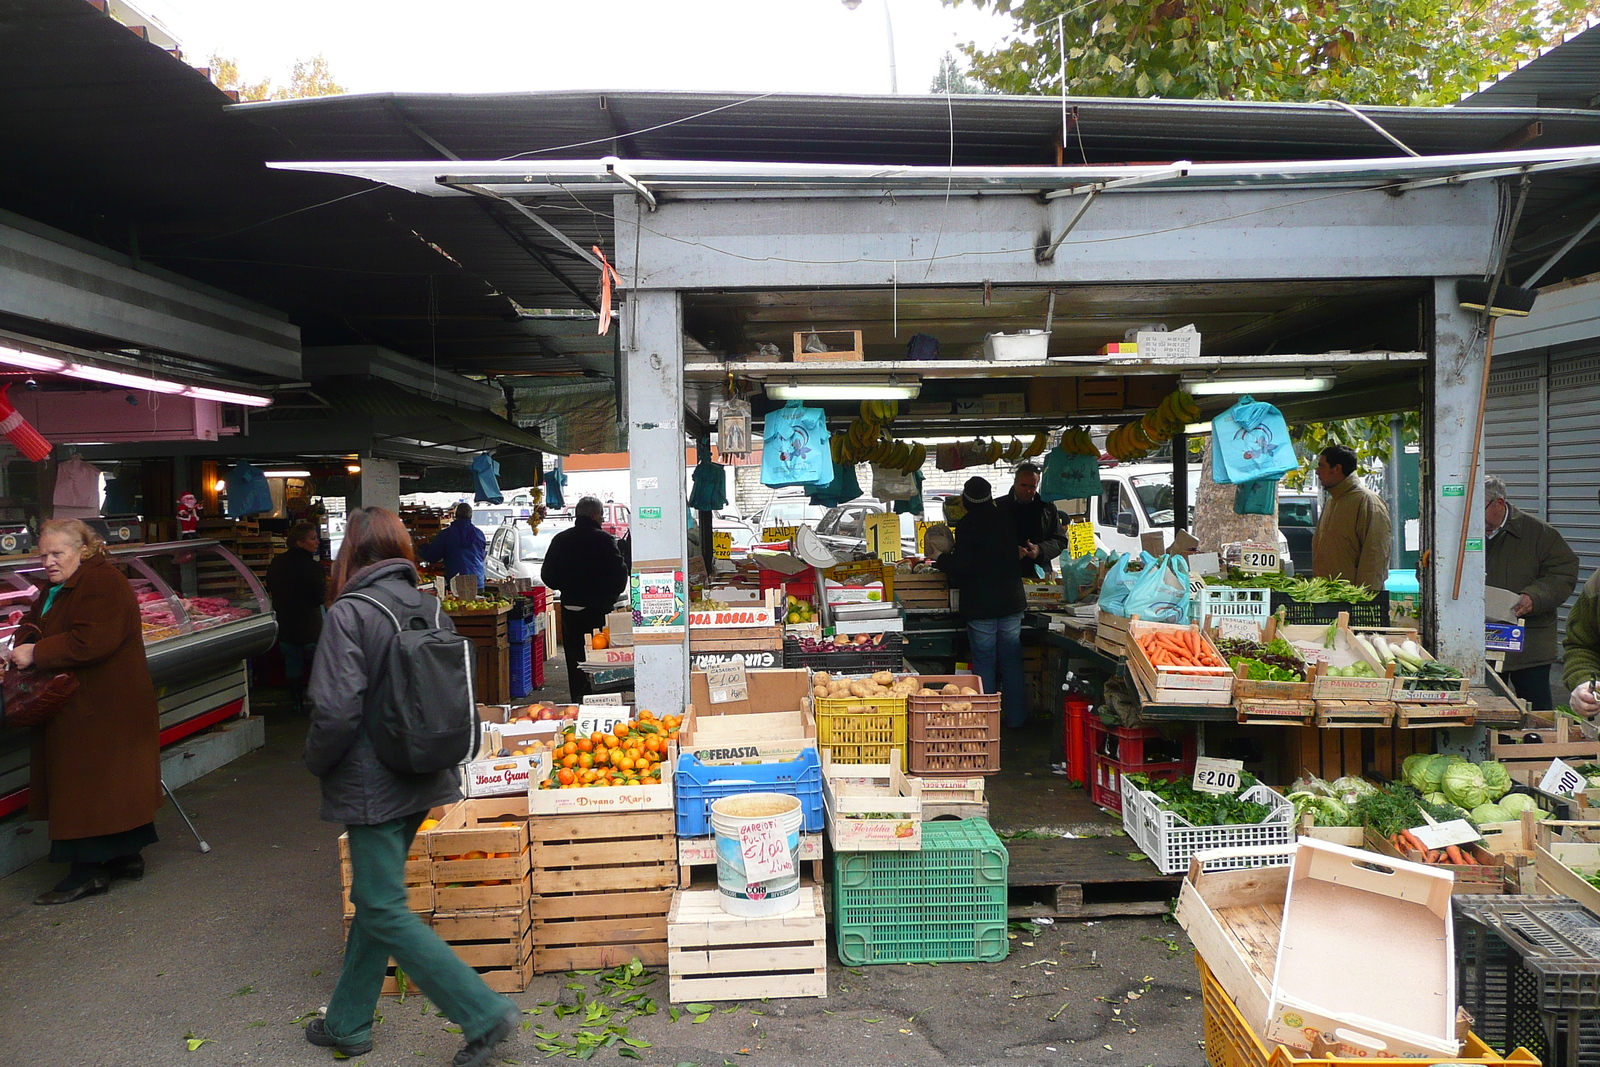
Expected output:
{"points": [[1428, 773], [1484, 814], [1463, 785], [1351, 787], [1436, 798], [1495, 779], [1517, 803], [1411, 762]]}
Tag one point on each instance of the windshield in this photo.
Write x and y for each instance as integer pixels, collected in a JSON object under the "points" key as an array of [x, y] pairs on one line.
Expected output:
{"points": [[1297, 511], [534, 544], [843, 522], [1155, 496]]}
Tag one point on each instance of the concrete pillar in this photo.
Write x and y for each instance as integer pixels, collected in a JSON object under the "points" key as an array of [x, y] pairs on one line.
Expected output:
{"points": [[653, 353], [1453, 622]]}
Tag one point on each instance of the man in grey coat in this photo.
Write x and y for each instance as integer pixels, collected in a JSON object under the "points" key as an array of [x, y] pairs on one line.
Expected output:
{"points": [[1530, 558]]}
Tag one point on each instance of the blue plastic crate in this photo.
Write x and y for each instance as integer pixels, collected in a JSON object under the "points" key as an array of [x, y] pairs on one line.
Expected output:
{"points": [[521, 663], [946, 903], [518, 630], [697, 785]]}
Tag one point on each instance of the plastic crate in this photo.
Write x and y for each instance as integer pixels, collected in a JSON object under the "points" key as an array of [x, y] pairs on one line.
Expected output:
{"points": [[946, 903], [890, 658], [1528, 969], [696, 785], [1230, 1042], [1141, 745], [955, 757], [854, 736], [1169, 839], [1226, 602], [518, 630], [520, 655], [1105, 776], [1374, 612]]}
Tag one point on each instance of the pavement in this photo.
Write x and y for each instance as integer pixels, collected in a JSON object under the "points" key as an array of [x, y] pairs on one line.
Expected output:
{"points": [[231, 951]]}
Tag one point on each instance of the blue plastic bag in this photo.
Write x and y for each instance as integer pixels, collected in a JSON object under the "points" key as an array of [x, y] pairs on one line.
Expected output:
{"points": [[1257, 497], [248, 492], [1162, 594], [843, 488], [1069, 476], [795, 447], [710, 491], [486, 480], [1120, 582], [1251, 443]]}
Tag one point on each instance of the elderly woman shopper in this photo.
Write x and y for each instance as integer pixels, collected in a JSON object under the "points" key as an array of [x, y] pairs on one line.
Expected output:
{"points": [[96, 772], [374, 586]]}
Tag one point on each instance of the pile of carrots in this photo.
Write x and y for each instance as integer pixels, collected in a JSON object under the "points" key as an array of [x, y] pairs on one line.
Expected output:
{"points": [[1178, 648], [1406, 841]]}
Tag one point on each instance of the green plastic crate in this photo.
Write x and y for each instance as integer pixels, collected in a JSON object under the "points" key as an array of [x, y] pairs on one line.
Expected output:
{"points": [[944, 904]]}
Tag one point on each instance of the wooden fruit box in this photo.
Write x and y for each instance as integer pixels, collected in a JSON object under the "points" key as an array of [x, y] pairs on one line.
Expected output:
{"points": [[736, 639], [1409, 716], [418, 872], [752, 737], [870, 807], [470, 896], [487, 824], [1438, 691], [701, 852], [944, 790], [610, 800], [1526, 762], [1178, 685], [1561, 867], [513, 979], [1354, 714], [1253, 711], [1310, 640], [1253, 689], [1349, 836], [712, 955], [1486, 877], [419, 898], [836, 340], [1111, 634]]}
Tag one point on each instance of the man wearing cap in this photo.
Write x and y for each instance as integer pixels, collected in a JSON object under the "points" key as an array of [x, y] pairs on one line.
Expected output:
{"points": [[1530, 558], [984, 566]]}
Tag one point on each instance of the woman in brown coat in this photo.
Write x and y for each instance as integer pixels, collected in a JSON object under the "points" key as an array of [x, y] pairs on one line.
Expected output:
{"points": [[96, 766]]}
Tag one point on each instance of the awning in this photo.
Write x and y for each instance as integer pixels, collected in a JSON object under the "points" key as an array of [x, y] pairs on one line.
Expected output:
{"points": [[424, 419]]}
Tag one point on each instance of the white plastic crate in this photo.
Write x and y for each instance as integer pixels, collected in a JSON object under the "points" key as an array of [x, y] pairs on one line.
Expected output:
{"points": [[1226, 602], [1170, 840]]}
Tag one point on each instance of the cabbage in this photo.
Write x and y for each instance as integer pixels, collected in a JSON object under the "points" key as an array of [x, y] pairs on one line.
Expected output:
{"points": [[1484, 814], [1496, 779], [1463, 784], [1429, 774], [1330, 811], [1517, 803], [1351, 787], [1436, 799], [1412, 766]]}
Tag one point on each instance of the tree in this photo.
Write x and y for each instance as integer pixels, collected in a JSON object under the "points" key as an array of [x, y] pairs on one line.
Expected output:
{"points": [[952, 78], [310, 77], [1368, 437], [1414, 52]]}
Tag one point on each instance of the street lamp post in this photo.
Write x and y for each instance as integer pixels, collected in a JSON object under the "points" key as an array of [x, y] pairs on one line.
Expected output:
{"points": [[888, 29]]}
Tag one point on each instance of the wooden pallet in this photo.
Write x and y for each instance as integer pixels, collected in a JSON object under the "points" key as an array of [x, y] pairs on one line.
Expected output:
{"points": [[1428, 716], [605, 885], [700, 853], [954, 809], [1085, 878], [1261, 712], [712, 955], [1354, 714], [1331, 754]]}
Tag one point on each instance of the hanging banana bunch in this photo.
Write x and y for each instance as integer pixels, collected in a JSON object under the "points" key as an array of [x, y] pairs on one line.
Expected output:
{"points": [[1139, 437], [1076, 441]]}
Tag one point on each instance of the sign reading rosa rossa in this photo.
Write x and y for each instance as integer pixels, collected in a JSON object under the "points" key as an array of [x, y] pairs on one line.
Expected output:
{"points": [[743, 615]]}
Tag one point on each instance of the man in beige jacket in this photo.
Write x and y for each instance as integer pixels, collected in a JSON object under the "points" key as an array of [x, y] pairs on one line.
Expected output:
{"points": [[1352, 536]]}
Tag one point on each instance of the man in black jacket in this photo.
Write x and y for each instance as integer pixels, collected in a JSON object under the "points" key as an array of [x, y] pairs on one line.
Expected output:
{"points": [[297, 586], [585, 567], [1039, 532], [983, 566]]}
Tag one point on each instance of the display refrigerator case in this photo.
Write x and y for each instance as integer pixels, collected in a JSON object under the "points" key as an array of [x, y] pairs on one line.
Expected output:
{"points": [[204, 615]]}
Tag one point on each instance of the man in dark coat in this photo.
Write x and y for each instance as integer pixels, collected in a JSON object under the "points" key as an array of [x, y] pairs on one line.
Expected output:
{"points": [[297, 586], [461, 547], [584, 565], [1038, 523], [1530, 558], [983, 566]]}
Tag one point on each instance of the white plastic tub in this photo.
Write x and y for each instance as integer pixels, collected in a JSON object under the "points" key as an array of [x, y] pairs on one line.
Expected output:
{"points": [[738, 894], [1024, 345]]}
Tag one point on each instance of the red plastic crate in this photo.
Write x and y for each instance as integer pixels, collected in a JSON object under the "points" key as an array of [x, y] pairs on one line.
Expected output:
{"points": [[1117, 750], [1105, 781], [1135, 745]]}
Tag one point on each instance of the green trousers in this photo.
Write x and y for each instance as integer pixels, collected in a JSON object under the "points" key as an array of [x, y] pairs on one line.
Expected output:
{"points": [[385, 928]]}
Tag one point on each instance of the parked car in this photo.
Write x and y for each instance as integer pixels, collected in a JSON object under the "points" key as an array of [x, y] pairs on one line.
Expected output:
{"points": [[1136, 499], [515, 551], [744, 534], [788, 508], [843, 529], [1297, 521]]}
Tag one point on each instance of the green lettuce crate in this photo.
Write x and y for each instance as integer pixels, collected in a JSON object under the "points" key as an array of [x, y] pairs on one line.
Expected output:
{"points": [[944, 904]]}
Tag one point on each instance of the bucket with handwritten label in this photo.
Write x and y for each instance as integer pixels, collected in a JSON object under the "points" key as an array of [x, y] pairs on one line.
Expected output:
{"points": [[758, 853]]}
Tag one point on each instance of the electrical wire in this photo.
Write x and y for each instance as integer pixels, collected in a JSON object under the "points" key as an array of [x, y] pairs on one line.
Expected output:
{"points": [[637, 133], [949, 181], [264, 222]]}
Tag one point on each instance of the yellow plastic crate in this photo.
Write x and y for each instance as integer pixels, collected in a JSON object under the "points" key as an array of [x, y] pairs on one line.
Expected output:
{"points": [[1230, 1042], [861, 729]]}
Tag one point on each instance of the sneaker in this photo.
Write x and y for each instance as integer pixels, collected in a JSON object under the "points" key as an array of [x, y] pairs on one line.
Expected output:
{"points": [[317, 1034], [479, 1051]]}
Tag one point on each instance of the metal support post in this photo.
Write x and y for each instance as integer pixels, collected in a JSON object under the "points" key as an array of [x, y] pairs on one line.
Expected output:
{"points": [[1391, 482], [653, 351]]}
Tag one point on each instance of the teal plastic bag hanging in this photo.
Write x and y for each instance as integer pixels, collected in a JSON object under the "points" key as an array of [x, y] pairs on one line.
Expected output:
{"points": [[913, 504], [843, 488], [795, 447], [1256, 498], [1251, 442], [710, 491], [1162, 594], [1120, 582], [1069, 476]]}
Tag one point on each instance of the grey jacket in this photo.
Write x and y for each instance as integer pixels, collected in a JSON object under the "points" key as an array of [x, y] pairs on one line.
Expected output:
{"points": [[357, 789]]}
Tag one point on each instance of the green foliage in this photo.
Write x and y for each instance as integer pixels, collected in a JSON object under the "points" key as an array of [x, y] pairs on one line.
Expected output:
{"points": [[952, 78], [1369, 437], [1414, 52]]}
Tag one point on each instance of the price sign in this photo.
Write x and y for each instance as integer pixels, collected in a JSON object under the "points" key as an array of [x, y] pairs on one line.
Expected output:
{"points": [[777, 533], [604, 699], [1442, 834], [883, 536], [1562, 780], [721, 544], [1248, 629], [1217, 775], [1080, 539], [727, 682], [766, 850], [1258, 558], [598, 721]]}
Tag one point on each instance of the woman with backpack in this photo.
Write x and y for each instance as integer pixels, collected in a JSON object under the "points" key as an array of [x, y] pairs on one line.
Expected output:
{"points": [[374, 583]]}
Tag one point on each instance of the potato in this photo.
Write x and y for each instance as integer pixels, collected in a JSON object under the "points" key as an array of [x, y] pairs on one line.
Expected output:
{"points": [[822, 691], [822, 678], [968, 691], [883, 677], [958, 705], [858, 690], [927, 692], [951, 689]]}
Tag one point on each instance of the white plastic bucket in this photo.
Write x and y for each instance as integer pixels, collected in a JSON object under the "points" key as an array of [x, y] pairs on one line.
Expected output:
{"points": [[736, 892], [1031, 345]]}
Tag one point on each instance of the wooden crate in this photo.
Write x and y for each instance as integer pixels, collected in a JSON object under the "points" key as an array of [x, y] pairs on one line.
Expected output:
{"points": [[1260, 712], [1331, 754], [1354, 714], [736, 639], [712, 955], [1101, 394], [496, 827], [1178, 685], [843, 345], [929, 589], [419, 898], [701, 853], [1111, 634], [1409, 716], [605, 887], [497, 943], [1487, 877], [1526, 762]]}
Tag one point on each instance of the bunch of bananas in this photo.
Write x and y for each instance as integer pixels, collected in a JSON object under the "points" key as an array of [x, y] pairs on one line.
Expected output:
{"points": [[1137, 438], [1077, 442], [866, 441], [880, 411]]}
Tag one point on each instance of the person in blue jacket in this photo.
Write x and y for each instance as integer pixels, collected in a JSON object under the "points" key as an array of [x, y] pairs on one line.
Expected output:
{"points": [[461, 547]]}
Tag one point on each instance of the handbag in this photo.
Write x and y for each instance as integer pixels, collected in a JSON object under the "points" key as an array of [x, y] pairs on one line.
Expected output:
{"points": [[29, 697]]}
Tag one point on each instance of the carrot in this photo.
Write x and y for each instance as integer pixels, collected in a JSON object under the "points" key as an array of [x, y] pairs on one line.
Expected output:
{"points": [[1455, 855], [1434, 856], [1413, 841]]}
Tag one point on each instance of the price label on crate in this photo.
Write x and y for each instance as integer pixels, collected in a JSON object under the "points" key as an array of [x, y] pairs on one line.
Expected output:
{"points": [[600, 719], [1080, 539], [727, 682], [1218, 776], [766, 850], [1248, 629], [1444, 834], [1258, 558], [1562, 780], [883, 536]]}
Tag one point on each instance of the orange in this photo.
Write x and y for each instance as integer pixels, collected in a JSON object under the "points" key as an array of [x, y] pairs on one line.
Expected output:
{"points": [[570, 748], [612, 741], [569, 761], [625, 763], [602, 755], [585, 745], [567, 777], [621, 730], [652, 743], [597, 737], [646, 715], [585, 760], [545, 784]]}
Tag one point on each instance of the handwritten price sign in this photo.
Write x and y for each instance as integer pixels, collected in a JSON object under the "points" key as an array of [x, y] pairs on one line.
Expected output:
{"points": [[766, 850]]}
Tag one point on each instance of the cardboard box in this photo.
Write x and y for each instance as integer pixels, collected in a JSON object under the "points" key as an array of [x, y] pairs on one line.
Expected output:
{"points": [[490, 775], [620, 623], [1366, 957], [769, 691], [1052, 395], [855, 593], [610, 657], [1100, 394]]}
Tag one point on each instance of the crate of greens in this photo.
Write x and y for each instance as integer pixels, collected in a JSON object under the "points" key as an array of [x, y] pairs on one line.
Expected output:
{"points": [[1266, 669], [1306, 601], [1344, 669], [1418, 677], [1171, 821]]}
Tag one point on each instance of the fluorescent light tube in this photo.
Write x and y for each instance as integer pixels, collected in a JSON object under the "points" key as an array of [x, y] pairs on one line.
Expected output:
{"points": [[286, 474], [863, 391], [223, 396], [1240, 386], [119, 378], [29, 361]]}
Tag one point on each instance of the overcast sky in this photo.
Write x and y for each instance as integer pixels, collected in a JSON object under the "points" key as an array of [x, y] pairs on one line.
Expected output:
{"points": [[514, 45]]}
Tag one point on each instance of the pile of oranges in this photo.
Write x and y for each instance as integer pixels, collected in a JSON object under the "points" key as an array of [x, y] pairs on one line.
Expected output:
{"points": [[629, 754]]}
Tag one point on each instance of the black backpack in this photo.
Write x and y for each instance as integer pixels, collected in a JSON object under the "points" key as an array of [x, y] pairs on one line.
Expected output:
{"points": [[421, 713]]}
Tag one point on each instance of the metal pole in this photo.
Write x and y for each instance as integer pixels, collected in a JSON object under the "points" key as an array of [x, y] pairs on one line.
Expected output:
{"points": [[1391, 477], [1180, 482], [888, 26]]}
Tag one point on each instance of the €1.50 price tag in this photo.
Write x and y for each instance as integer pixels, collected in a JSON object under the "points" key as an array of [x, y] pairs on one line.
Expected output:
{"points": [[1218, 776], [766, 850], [597, 718]]}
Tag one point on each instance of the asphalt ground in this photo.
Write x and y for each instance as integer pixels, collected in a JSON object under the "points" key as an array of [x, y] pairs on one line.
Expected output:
{"points": [[237, 948]]}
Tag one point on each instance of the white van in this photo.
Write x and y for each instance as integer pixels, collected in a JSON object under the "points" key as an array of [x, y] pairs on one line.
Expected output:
{"points": [[1136, 499]]}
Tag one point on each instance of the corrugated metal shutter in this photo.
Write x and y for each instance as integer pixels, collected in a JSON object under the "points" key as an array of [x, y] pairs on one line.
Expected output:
{"points": [[1574, 466], [1513, 439]]}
